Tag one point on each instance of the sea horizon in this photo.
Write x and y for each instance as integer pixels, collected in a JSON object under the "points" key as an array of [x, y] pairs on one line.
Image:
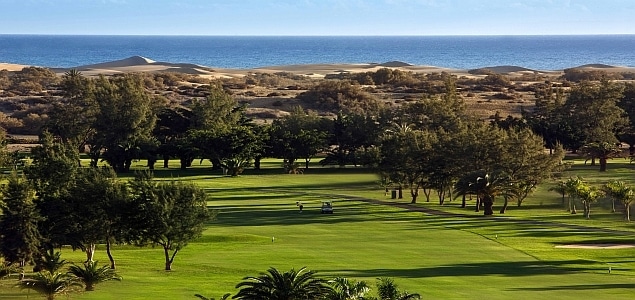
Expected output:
{"points": [[538, 52]]}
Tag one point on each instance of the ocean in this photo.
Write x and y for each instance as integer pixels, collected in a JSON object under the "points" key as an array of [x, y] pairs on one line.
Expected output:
{"points": [[245, 52]]}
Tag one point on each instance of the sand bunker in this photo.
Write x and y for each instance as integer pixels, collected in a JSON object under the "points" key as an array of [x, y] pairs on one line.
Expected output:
{"points": [[596, 246]]}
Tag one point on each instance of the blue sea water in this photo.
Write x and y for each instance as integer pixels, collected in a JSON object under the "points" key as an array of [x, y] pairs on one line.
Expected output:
{"points": [[459, 52]]}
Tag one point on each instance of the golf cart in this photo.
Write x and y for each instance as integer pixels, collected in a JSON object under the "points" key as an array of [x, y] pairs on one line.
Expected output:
{"points": [[327, 207]]}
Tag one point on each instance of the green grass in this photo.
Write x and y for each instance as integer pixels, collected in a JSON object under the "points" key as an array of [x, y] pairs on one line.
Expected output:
{"points": [[511, 256]]}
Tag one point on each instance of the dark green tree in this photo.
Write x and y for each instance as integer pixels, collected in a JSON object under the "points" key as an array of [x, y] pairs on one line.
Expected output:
{"points": [[387, 289], [274, 285], [19, 235], [125, 120], [168, 214], [298, 135], [50, 285], [72, 118], [90, 274]]}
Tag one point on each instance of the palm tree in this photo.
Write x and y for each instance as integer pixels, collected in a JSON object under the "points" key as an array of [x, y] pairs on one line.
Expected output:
{"points": [[560, 188], [588, 194], [90, 274], [572, 186], [291, 285], [225, 297], [387, 290], [50, 261], [618, 190], [50, 284], [344, 289], [486, 186]]}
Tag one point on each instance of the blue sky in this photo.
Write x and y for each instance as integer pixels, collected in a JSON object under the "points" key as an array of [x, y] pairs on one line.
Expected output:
{"points": [[317, 17]]}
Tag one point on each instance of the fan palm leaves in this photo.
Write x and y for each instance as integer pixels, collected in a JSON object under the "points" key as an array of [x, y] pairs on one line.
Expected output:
{"points": [[387, 289], [225, 297], [91, 274], [50, 284], [275, 285], [344, 289]]}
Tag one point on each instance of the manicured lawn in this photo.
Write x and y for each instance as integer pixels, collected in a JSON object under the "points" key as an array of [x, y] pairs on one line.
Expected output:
{"points": [[441, 257]]}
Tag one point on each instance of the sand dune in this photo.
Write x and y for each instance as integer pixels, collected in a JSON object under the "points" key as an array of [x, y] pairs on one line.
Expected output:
{"points": [[11, 67], [143, 64]]}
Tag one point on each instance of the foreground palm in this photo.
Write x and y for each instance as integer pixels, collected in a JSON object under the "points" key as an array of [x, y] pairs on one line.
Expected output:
{"points": [[90, 274], [292, 285]]}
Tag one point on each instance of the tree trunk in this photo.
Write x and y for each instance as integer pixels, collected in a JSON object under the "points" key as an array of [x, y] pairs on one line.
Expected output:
{"points": [[463, 203], [126, 165], [441, 194], [166, 161], [427, 192], [612, 205], [90, 252], [504, 208], [306, 163], [257, 160], [151, 163], [22, 264], [477, 207], [184, 163], [602, 164], [400, 192], [488, 203], [572, 203], [168, 261], [587, 206], [592, 161], [414, 193], [112, 259], [628, 212]]}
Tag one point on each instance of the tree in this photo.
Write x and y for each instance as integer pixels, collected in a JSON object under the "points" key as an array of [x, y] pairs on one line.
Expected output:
{"points": [[592, 108], [50, 261], [125, 119], [602, 151], [298, 135], [345, 289], [50, 284], [525, 162], [387, 289], [97, 201], [619, 191], [486, 186], [169, 214], [72, 118], [405, 155], [572, 185], [224, 297], [232, 148], [274, 285], [19, 235], [53, 167], [91, 274], [588, 194], [546, 117]]}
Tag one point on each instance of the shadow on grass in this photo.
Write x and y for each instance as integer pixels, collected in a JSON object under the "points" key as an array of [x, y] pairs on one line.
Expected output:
{"points": [[208, 171], [291, 215], [579, 287], [511, 269]]}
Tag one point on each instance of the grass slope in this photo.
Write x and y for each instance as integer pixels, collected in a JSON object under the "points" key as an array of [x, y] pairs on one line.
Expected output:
{"points": [[438, 256]]}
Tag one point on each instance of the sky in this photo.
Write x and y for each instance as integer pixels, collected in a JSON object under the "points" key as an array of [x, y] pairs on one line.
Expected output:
{"points": [[317, 17]]}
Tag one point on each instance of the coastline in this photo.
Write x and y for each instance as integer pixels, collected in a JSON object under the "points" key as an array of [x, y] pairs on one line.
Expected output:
{"points": [[141, 64]]}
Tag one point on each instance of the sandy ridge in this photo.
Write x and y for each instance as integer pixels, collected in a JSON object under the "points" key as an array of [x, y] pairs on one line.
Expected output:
{"points": [[143, 64]]}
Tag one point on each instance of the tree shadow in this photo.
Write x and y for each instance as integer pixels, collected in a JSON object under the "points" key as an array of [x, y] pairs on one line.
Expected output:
{"points": [[579, 287], [510, 269]]}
